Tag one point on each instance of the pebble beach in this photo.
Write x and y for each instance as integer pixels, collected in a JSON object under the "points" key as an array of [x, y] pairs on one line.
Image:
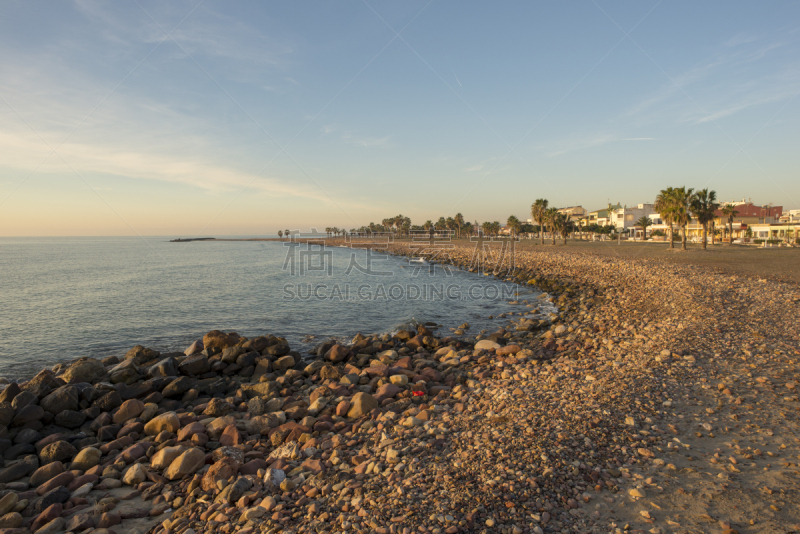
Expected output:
{"points": [[659, 398]]}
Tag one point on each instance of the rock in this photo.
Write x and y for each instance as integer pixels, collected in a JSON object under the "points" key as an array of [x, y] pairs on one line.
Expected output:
{"points": [[486, 344], [185, 464], [108, 519], [82, 490], [194, 348], [140, 355], [54, 526], [84, 370], [55, 496], [168, 421], [8, 502], [86, 459], [386, 391], [262, 424], [195, 365], [219, 340], [63, 398], [57, 451], [218, 407], [6, 413], [361, 404], [10, 391], [80, 522], [330, 372], [283, 363], [164, 458], [28, 414], [221, 470], [129, 409], [12, 520], [70, 419], [126, 372], [400, 380], [22, 468], [24, 398], [134, 475], [108, 401], [508, 349], [177, 387], [337, 353], [165, 368], [42, 384], [45, 473]]}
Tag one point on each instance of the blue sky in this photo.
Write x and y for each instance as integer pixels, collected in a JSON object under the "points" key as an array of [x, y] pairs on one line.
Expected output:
{"points": [[214, 118]]}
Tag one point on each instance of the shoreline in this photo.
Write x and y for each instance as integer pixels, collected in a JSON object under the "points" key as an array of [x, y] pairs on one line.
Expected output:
{"points": [[580, 424]]}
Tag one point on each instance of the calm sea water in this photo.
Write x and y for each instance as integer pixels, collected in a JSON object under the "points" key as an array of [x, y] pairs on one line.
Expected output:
{"points": [[63, 298]]}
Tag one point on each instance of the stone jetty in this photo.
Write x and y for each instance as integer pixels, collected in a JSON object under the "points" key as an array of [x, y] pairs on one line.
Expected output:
{"points": [[657, 399]]}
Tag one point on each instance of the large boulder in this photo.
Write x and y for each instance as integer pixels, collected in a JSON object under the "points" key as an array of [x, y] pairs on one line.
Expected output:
{"points": [[283, 363], [221, 470], [130, 409], [164, 368], [63, 398], [86, 459], [28, 414], [6, 413], [179, 386], [84, 370], [164, 458], [220, 340], [167, 421], [361, 404], [194, 348], [58, 451], [42, 384], [126, 372], [337, 353], [195, 365], [186, 464], [10, 391], [140, 354]]}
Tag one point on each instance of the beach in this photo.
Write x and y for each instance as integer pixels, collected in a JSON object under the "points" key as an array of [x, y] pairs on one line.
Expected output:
{"points": [[661, 397]]}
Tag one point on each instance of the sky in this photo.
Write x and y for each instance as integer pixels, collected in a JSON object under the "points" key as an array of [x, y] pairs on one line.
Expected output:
{"points": [[208, 118]]}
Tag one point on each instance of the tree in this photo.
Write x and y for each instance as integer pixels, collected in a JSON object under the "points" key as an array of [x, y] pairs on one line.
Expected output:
{"points": [[538, 209], [560, 223], [730, 212], [549, 220], [428, 225], [664, 205], [682, 197], [643, 223], [280, 234], [459, 223], [703, 206], [286, 233], [514, 225]]}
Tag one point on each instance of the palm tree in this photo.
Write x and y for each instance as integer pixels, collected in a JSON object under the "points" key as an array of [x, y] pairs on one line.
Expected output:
{"points": [[643, 223], [559, 223], [513, 224], [428, 225], [280, 234], [704, 205], [459, 223], [664, 206], [681, 210], [538, 210], [487, 228], [549, 219], [286, 233], [730, 212]]}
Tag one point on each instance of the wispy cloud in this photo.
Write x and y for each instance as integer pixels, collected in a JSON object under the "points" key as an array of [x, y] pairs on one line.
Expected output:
{"points": [[738, 76], [474, 168]]}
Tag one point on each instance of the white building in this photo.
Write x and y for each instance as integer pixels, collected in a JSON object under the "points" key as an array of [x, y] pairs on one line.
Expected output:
{"points": [[625, 217]]}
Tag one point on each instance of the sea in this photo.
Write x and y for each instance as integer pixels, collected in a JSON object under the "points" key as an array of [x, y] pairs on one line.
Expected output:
{"points": [[66, 297]]}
